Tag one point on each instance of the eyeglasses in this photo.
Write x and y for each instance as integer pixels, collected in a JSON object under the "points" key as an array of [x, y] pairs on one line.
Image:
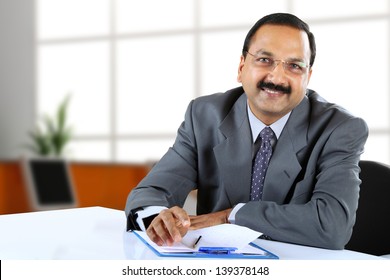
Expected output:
{"points": [[291, 67]]}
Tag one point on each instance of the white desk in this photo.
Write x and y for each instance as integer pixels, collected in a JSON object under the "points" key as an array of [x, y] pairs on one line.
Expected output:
{"points": [[99, 233]]}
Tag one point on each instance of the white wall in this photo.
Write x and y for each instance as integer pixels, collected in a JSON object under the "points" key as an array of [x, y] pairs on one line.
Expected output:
{"points": [[17, 83]]}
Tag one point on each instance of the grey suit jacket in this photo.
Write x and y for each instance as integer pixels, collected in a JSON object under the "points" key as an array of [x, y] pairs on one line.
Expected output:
{"points": [[311, 188]]}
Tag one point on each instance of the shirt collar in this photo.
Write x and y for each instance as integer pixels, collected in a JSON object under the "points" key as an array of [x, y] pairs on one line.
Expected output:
{"points": [[257, 125]]}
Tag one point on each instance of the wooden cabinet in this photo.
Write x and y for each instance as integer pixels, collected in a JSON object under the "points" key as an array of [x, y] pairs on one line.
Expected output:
{"points": [[96, 184]]}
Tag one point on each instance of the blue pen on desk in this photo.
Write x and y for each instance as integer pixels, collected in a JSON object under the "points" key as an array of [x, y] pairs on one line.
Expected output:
{"points": [[217, 250]]}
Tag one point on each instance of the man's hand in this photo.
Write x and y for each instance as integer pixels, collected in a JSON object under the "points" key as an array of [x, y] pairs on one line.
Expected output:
{"points": [[172, 224], [211, 219], [169, 226]]}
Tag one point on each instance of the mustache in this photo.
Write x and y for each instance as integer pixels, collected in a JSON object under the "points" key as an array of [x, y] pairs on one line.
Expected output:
{"points": [[272, 86]]}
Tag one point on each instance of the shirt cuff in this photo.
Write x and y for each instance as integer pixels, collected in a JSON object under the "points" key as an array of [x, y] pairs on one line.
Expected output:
{"points": [[146, 212], [232, 216]]}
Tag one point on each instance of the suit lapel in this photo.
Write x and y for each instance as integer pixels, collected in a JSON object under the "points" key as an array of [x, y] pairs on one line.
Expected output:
{"points": [[233, 153], [284, 166]]}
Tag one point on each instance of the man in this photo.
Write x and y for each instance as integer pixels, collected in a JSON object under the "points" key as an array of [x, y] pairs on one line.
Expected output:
{"points": [[308, 186]]}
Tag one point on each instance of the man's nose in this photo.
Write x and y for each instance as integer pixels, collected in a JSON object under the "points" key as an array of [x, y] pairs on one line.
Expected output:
{"points": [[277, 75]]}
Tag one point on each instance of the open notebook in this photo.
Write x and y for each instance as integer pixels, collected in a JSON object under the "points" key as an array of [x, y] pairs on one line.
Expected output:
{"points": [[221, 241]]}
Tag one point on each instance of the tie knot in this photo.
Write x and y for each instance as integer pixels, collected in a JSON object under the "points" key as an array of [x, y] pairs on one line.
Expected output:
{"points": [[267, 133]]}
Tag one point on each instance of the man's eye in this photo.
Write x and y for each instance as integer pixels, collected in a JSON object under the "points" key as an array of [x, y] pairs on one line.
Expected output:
{"points": [[264, 60], [295, 66]]}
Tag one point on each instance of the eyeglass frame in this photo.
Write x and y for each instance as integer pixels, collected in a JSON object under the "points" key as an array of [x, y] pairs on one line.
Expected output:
{"points": [[275, 62]]}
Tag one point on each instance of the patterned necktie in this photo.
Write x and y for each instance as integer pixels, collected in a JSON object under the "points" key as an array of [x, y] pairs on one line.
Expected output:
{"points": [[260, 163]]}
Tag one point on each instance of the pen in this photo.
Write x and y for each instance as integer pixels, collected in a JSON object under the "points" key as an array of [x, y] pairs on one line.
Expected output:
{"points": [[197, 241]]}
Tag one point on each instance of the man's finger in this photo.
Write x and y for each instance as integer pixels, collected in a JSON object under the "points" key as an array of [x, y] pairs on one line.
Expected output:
{"points": [[181, 216]]}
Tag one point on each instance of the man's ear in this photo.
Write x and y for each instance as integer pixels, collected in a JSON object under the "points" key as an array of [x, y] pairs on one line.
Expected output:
{"points": [[240, 66], [309, 75]]}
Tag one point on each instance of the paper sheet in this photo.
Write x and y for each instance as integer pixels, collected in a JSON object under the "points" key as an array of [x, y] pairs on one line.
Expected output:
{"points": [[225, 235]]}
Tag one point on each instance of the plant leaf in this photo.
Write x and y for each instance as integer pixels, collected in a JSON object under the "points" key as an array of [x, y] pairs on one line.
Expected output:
{"points": [[51, 135]]}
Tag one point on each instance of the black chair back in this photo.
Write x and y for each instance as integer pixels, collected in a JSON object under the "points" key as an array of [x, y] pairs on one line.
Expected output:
{"points": [[371, 233]]}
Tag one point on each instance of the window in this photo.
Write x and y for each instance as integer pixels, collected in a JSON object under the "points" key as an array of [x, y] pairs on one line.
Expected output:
{"points": [[131, 67]]}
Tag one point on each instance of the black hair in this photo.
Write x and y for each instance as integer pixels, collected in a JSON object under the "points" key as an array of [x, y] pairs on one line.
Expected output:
{"points": [[282, 19]]}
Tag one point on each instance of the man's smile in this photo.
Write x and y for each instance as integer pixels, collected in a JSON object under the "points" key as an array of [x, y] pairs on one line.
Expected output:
{"points": [[271, 88]]}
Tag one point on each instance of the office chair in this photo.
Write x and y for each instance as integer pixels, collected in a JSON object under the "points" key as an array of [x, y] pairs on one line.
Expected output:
{"points": [[371, 233]]}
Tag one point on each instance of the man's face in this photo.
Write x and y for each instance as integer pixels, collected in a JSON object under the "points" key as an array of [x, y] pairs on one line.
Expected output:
{"points": [[273, 92]]}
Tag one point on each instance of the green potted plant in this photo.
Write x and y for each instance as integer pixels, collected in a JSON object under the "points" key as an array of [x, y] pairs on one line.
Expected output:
{"points": [[51, 135]]}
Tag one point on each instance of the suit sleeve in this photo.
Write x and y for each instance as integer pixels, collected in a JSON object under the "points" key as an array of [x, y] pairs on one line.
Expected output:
{"points": [[171, 179], [324, 216]]}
